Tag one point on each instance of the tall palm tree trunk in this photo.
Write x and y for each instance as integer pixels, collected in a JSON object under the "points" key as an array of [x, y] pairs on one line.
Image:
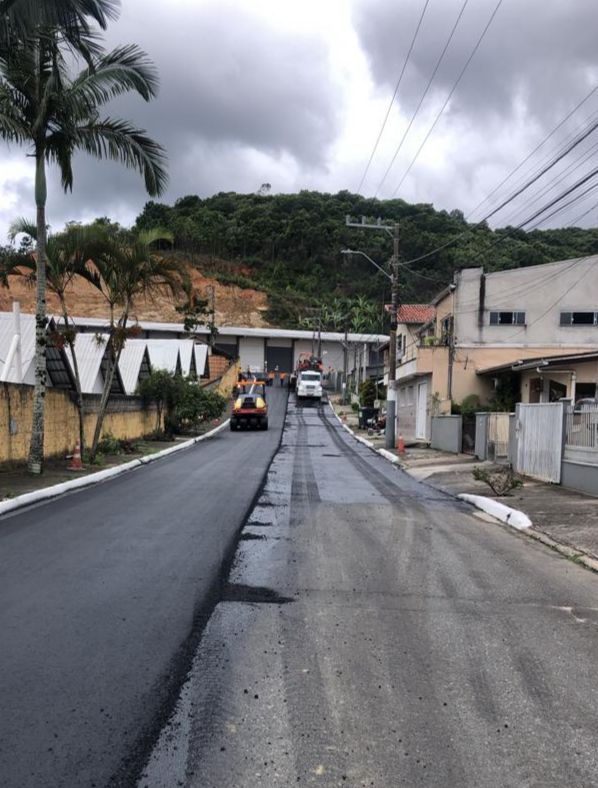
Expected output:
{"points": [[111, 371], [80, 401], [36, 449]]}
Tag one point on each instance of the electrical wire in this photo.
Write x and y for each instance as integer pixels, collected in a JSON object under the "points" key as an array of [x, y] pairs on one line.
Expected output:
{"points": [[448, 98], [424, 94], [394, 95], [575, 165], [560, 197], [535, 150]]}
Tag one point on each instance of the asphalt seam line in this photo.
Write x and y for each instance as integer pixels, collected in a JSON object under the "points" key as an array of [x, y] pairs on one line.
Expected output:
{"points": [[55, 490]]}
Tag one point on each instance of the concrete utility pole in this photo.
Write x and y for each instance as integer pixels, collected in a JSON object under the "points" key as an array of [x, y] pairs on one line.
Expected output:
{"points": [[345, 399], [391, 395]]}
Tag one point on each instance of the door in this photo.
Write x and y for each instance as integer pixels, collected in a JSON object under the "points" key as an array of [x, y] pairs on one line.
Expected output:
{"points": [[281, 357], [421, 413]]}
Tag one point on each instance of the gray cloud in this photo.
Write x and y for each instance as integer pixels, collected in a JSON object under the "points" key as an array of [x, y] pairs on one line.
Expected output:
{"points": [[236, 98], [541, 53]]}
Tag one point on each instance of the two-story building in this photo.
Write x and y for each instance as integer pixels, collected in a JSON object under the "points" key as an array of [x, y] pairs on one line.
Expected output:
{"points": [[484, 329]]}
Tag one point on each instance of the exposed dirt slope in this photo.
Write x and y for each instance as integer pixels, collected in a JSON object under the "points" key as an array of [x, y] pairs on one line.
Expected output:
{"points": [[234, 306]]}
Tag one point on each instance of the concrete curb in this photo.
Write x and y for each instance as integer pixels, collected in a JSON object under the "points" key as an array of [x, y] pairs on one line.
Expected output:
{"points": [[38, 496], [388, 455], [498, 510]]}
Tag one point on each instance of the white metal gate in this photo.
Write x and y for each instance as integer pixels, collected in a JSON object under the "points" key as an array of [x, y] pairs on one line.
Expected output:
{"points": [[540, 440]]}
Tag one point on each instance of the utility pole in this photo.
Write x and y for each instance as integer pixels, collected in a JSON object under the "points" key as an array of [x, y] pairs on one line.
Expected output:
{"points": [[320, 335], [345, 365], [391, 395]]}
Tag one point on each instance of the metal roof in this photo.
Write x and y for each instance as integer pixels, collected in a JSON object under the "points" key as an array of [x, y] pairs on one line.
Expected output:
{"points": [[244, 331], [164, 354], [129, 364], [7, 332], [201, 358], [186, 352], [89, 352], [521, 364]]}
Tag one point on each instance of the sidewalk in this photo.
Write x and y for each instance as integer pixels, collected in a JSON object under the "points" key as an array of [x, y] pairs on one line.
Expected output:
{"points": [[567, 517]]}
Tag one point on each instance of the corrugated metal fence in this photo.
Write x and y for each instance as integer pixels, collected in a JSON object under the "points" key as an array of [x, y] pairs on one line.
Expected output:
{"points": [[540, 440]]}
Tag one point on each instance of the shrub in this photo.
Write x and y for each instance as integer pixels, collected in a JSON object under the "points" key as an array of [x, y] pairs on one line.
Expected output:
{"points": [[109, 444], [468, 405], [181, 401], [500, 480], [367, 393]]}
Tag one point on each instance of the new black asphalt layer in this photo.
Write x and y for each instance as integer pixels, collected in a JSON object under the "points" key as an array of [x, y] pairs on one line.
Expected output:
{"points": [[374, 632], [102, 596]]}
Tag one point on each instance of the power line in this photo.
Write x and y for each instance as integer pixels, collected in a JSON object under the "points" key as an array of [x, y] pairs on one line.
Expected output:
{"points": [[573, 223], [561, 196], [448, 98], [394, 95], [578, 198], [535, 150], [425, 93], [569, 170]]}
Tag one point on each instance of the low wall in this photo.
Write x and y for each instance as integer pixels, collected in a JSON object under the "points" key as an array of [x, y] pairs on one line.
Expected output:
{"points": [[126, 418], [579, 476], [447, 433]]}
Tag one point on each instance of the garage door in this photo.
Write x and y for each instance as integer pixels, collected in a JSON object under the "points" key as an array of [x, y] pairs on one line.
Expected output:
{"points": [[281, 357]]}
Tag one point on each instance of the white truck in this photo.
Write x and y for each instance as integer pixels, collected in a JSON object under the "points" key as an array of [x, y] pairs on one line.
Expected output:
{"points": [[309, 385]]}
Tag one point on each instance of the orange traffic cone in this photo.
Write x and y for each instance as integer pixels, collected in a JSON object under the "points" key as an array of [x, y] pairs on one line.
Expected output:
{"points": [[76, 464], [400, 444]]}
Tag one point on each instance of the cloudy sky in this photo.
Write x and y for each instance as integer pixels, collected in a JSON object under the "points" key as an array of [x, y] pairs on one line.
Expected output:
{"points": [[295, 93]]}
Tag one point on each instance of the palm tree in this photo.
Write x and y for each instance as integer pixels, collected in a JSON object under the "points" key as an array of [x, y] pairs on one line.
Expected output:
{"points": [[126, 268], [54, 115], [67, 256]]}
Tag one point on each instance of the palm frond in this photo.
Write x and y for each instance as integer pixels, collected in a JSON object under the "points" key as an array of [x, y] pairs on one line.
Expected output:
{"points": [[120, 141], [22, 226], [125, 69]]}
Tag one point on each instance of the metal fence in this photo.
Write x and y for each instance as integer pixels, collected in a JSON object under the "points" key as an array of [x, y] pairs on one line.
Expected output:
{"points": [[582, 428], [540, 440]]}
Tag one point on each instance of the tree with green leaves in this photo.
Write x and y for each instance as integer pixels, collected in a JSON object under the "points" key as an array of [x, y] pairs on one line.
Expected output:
{"points": [[67, 257], [54, 113], [126, 267]]}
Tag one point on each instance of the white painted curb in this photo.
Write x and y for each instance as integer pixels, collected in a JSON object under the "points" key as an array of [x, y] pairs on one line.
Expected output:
{"points": [[498, 510], [388, 455], [37, 496]]}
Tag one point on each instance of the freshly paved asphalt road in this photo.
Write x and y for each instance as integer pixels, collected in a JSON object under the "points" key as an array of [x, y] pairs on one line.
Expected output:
{"points": [[102, 594], [376, 633]]}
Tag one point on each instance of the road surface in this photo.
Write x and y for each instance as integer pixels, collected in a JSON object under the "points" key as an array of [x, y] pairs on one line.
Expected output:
{"points": [[376, 633], [102, 597]]}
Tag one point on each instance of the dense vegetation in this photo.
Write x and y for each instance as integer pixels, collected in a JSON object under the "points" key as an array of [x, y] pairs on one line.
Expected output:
{"points": [[289, 245]]}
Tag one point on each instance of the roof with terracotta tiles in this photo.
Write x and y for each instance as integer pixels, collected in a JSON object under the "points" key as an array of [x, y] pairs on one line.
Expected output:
{"points": [[415, 313]]}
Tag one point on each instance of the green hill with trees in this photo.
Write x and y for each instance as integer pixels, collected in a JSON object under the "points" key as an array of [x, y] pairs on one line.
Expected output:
{"points": [[289, 246]]}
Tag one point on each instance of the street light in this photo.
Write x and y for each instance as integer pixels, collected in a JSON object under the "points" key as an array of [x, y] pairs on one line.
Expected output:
{"points": [[391, 394]]}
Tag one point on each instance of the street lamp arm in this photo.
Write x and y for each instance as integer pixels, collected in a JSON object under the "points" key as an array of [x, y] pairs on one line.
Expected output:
{"points": [[367, 257]]}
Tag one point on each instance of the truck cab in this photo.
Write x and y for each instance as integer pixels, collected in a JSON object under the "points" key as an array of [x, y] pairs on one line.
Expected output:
{"points": [[309, 384]]}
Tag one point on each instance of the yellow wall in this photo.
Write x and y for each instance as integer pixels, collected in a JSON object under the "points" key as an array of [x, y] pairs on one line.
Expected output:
{"points": [[228, 380], [61, 422]]}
